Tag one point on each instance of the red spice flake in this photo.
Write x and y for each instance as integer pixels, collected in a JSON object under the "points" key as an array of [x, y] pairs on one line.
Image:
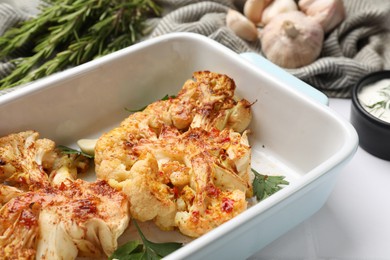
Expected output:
{"points": [[83, 208], [214, 132], [21, 202], [22, 180], [204, 111], [195, 216], [129, 144], [226, 139], [49, 189], [212, 191], [62, 186], [175, 191], [227, 205], [193, 135], [17, 205], [101, 187], [28, 219]]}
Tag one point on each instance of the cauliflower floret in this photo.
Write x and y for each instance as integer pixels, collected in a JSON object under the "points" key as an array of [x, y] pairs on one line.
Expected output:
{"points": [[217, 211], [83, 219], [48, 213], [177, 173], [7, 193], [149, 198], [212, 204], [19, 228], [21, 159], [77, 218], [182, 157]]}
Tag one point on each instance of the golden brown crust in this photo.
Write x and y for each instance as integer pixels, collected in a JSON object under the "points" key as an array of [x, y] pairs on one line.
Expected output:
{"points": [[183, 162], [52, 215]]}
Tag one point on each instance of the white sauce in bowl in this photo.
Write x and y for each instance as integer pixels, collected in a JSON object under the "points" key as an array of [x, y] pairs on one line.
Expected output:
{"points": [[375, 99]]}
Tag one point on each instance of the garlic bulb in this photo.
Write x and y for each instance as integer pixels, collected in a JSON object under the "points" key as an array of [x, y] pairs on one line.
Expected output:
{"points": [[328, 13], [241, 26], [305, 4], [292, 40], [277, 7], [253, 9]]}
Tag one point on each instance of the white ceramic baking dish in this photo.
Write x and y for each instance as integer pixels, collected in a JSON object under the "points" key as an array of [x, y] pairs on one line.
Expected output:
{"points": [[293, 134]]}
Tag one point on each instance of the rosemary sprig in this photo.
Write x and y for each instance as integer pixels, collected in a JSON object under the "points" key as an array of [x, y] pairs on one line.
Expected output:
{"points": [[70, 32], [67, 150]]}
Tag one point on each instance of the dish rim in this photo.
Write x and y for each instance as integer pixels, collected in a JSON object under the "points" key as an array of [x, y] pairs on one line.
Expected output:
{"points": [[345, 152]]}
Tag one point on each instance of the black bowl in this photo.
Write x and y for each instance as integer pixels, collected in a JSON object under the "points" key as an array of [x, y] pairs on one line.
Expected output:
{"points": [[374, 133]]}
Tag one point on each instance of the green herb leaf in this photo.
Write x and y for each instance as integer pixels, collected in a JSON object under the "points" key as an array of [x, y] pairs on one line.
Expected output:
{"points": [[149, 250], [166, 97], [67, 150], [157, 250], [130, 250], [135, 110], [266, 185], [381, 106]]}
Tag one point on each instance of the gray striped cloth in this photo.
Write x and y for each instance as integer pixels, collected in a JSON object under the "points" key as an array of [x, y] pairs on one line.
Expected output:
{"points": [[358, 46], [9, 16]]}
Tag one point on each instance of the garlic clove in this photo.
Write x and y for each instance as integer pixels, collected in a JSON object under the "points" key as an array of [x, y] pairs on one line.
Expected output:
{"points": [[292, 40], [241, 25], [87, 146], [328, 13], [253, 9], [277, 7]]}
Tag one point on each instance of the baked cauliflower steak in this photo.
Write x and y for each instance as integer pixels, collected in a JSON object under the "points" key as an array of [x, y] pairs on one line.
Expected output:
{"points": [[183, 162], [46, 212]]}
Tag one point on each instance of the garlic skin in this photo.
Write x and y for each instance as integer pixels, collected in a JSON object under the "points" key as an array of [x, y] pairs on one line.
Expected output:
{"points": [[241, 25], [292, 40], [253, 9], [305, 4], [277, 7], [328, 13]]}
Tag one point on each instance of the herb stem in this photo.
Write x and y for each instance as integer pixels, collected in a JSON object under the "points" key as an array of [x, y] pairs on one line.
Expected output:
{"points": [[69, 33]]}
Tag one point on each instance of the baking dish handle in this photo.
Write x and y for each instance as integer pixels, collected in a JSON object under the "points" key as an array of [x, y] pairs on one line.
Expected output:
{"points": [[286, 77]]}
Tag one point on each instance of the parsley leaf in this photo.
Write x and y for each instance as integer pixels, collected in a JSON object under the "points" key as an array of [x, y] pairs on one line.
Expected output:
{"points": [[134, 250], [265, 185], [130, 250]]}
